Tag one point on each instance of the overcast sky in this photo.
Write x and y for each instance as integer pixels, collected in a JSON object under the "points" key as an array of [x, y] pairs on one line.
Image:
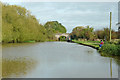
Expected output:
{"points": [[72, 14]]}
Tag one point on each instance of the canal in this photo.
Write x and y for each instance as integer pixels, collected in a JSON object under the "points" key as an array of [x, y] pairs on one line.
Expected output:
{"points": [[55, 60]]}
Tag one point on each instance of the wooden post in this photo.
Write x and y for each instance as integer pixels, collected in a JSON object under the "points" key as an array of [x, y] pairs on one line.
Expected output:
{"points": [[110, 24]]}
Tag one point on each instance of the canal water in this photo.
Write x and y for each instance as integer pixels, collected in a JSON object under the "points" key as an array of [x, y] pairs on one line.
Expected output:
{"points": [[55, 60]]}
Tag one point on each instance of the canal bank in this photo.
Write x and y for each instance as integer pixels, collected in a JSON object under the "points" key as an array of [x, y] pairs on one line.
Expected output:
{"points": [[108, 49], [95, 46]]}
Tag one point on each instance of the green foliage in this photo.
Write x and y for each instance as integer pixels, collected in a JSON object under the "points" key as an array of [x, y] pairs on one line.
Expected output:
{"points": [[82, 32], [88, 33], [110, 49], [53, 27], [104, 34], [118, 42], [62, 38], [107, 49], [18, 25]]}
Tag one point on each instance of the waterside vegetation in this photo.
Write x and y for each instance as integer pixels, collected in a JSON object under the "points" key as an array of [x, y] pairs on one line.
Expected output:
{"points": [[108, 48], [88, 37], [18, 26]]}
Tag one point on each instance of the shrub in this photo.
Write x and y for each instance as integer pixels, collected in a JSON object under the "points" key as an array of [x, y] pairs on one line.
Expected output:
{"points": [[119, 42], [62, 38], [110, 49]]}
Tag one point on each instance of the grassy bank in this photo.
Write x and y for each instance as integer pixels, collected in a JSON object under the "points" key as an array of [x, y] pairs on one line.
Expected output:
{"points": [[108, 49], [94, 44]]}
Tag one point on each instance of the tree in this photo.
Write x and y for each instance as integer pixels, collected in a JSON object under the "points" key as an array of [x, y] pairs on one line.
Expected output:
{"points": [[20, 26], [53, 27], [104, 34], [83, 33]]}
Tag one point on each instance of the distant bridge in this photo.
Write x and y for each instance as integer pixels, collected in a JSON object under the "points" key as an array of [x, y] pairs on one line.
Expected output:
{"points": [[61, 34]]}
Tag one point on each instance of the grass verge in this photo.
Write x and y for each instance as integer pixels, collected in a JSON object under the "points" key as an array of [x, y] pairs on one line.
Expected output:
{"points": [[88, 43], [108, 49]]}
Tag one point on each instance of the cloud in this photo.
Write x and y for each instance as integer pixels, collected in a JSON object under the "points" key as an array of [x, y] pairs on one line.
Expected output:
{"points": [[72, 14]]}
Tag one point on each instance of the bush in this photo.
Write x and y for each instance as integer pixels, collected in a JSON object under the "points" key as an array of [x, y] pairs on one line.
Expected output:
{"points": [[119, 42], [110, 49], [62, 38]]}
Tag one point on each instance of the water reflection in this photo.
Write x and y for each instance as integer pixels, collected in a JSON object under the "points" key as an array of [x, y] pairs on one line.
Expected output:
{"points": [[56, 60], [0, 61], [17, 67], [117, 60], [114, 59], [111, 67]]}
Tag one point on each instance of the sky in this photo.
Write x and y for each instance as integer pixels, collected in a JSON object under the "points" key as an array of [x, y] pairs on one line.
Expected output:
{"points": [[73, 14]]}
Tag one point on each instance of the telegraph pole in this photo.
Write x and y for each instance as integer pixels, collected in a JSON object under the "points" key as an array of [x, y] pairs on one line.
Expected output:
{"points": [[110, 24]]}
